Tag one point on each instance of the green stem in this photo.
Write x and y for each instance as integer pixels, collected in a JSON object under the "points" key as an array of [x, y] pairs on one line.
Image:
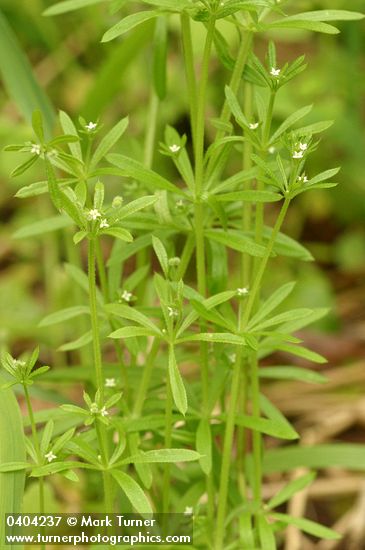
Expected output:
{"points": [[146, 378], [38, 452], [235, 388], [246, 264], [199, 230], [234, 83], [260, 273], [189, 70], [94, 318], [186, 256], [151, 130], [106, 295], [256, 435], [168, 441]]}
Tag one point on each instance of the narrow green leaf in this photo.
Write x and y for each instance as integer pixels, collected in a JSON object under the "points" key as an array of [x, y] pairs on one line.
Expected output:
{"points": [[12, 450], [111, 138], [129, 23], [237, 242], [315, 26], [341, 455], [19, 79], [291, 489], [78, 343], [70, 5], [131, 332], [69, 128], [266, 534], [118, 233], [266, 426], [63, 315], [127, 312], [293, 373], [163, 455], [44, 226], [204, 445], [177, 384], [133, 492], [249, 196], [134, 169], [161, 254], [290, 121], [307, 526]]}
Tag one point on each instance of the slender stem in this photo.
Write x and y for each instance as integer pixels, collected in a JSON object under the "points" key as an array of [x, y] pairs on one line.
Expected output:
{"points": [[245, 281], [151, 130], [199, 229], [256, 435], [94, 318], [186, 256], [38, 452], [260, 273], [146, 378], [235, 386], [234, 83], [189, 69], [168, 441]]}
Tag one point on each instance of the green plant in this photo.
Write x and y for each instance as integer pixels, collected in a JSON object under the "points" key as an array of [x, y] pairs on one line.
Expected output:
{"points": [[224, 326]]}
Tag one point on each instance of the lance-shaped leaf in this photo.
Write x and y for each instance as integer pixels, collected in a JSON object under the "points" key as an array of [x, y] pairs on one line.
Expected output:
{"points": [[307, 526], [44, 226], [108, 142], [135, 206], [163, 456], [266, 534], [132, 314], [131, 332], [236, 241], [129, 23], [148, 177], [292, 315], [290, 121], [293, 373], [291, 489], [204, 445], [118, 233], [133, 492], [249, 196], [70, 5], [177, 384], [161, 254]]}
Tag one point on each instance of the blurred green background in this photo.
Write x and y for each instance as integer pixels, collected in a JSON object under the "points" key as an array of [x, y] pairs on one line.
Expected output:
{"points": [[107, 81]]}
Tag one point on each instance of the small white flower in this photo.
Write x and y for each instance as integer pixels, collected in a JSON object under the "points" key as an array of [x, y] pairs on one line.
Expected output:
{"points": [[104, 412], [298, 155], [303, 178], [188, 511], [271, 150], [110, 382], [232, 358], [50, 456], [172, 312], [93, 214], [94, 409], [242, 291], [303, 146], [275, 72], [91, 126], [36, 149], [127, 296], [104, 223], [174, 148], [254, 125]]}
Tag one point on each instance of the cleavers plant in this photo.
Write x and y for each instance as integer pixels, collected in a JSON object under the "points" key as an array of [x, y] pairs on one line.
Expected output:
{"points": [[139, 407]]}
